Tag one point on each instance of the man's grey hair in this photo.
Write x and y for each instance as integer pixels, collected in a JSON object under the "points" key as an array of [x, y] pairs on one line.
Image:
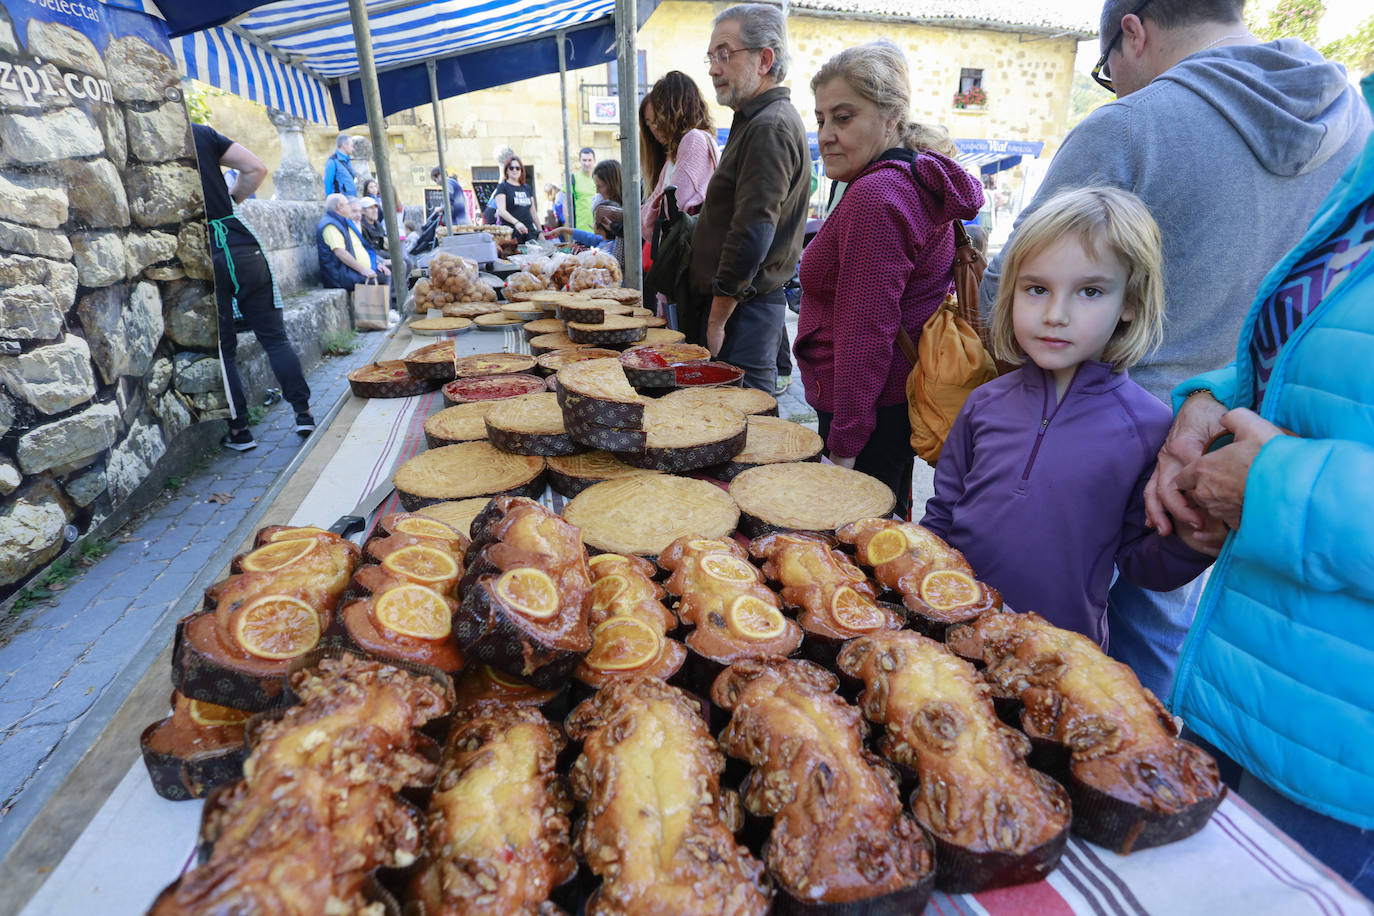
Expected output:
{"points": [[341, 139], [761, 26], [335, 203]]}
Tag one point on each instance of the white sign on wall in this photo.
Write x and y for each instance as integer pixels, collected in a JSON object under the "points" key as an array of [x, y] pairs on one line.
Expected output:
{"points": [[604, 109]]}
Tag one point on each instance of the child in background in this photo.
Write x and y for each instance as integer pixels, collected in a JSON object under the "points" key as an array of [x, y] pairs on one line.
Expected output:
{"points": [[1041, 481]]}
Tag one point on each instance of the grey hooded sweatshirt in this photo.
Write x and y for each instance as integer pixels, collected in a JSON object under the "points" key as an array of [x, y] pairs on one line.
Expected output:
{"points": [[1232, 149]]}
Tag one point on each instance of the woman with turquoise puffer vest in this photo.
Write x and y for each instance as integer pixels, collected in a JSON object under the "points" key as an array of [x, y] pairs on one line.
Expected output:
{"points": [[1278, 669]]}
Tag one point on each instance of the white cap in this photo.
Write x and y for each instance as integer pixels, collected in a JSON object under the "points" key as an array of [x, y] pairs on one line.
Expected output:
{"points": [[368, 202]]}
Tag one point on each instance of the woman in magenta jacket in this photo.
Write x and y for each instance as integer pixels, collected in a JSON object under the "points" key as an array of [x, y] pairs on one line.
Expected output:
{"points": [[884, 259]]}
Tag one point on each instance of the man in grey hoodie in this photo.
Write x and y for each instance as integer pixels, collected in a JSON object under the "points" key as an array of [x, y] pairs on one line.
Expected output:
{"points": [[1232, 144]]}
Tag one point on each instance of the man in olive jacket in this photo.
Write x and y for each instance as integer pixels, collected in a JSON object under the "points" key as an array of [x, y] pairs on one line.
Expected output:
{"points": [[749, 234]]}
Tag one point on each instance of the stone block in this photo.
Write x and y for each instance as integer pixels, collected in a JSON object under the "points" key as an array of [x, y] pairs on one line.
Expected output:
{"points": [[31, 526], [10, 478], [210, 400], [172, 409], [29, 312], [160, 134], [197, 373], [44, 243], [144, 248], [193, 250], [163, 194], [8, 44], [65, 47], [35, 200], [159, 376], [142, 327], [68, 440], [96, 194], [190, 315], [122, 334], [84, 486], [58, 276], [132, 459], [165, 273], [6, 414], [139, 72], [111, 121], [53, 136], [52, 379], [99, 258]]}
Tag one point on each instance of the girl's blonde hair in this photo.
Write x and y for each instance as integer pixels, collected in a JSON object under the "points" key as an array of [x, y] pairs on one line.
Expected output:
{"points": [[1103, 219], [877, 71]]}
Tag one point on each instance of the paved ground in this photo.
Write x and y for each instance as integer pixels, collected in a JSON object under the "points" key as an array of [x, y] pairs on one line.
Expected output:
{"points": [[66, 653]]}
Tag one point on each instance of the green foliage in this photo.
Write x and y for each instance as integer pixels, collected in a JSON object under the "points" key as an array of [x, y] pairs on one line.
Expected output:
{"points": [[1085, 98], [1355, 50], [340, 343], [94, 549], [196, 105], [255, 414], [173, 483], [1289, 19]]}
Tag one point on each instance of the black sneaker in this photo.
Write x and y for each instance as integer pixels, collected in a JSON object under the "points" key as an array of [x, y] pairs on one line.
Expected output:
{"points": [[240, 440], [305, 424]]}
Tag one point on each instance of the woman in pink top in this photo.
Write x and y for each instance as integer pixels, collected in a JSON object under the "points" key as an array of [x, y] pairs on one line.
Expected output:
{"points": [[884, 259], [680, 149]]}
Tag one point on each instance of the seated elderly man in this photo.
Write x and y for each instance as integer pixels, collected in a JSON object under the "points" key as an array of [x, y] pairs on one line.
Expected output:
{"points": [[345, 259], [374, 232]]}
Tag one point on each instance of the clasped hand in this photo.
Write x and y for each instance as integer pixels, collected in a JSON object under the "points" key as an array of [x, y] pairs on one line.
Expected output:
{"points": [[1197, 493]]}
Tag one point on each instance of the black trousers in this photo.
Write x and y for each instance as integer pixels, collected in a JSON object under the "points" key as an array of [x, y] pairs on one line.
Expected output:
{"points": [[888, 455], [751, 338], [255, 301]]}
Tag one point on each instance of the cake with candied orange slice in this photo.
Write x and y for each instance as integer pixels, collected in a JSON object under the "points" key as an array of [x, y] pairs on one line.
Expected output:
{"points": [[525, 593], [571, 474], [841, 841], [995, 821], [836, 599], [459, 423], [1133, 783], [649, 776], [629, 623], [681, 557], [465, 470], [198, 747], [624, 585], [433, 362], [401, 558], [530, 425], [497, 833], [641, 515], [419, 525], [936, 583], [275, 609], [771, 440], [806, 496], [405, 620], [482, 685], [387, 379]]}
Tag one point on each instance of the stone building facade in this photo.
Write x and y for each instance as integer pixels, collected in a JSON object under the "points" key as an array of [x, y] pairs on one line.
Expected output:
{"points": [[1021, 52], [107, 314]]}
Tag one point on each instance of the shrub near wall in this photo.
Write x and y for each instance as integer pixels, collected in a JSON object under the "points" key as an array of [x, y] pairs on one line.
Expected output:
{"points": [[107, 315]]}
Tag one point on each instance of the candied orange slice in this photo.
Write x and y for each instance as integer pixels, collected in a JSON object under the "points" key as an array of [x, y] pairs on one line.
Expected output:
{"points": [[529, 591], [728, 568], [422, 564], [212, 714], [289, 534], [622, 643], [277, 627], [423, 527], [611, 560], [277, 555], [750, 617], [504, 679], [888, 544], [414, 610], [707, 545], [853, 611], [944, 589], [606, 589]]}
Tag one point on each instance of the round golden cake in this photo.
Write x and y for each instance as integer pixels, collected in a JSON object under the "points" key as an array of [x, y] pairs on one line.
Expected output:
{"points": [[430, 326], [490, 364], [542, 326], [747, 401], [807, 496], [556, 341], [468, 309], [463, 471], [457, 514], [571, 474], [459, 423], [554, 360], [672, 425], [493, 320], [537, 413], [773, 440], [642, 515], [662, 335]]}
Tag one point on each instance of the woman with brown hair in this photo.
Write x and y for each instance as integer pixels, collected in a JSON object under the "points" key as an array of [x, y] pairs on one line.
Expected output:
{"points": [[675, 117], [513, 201]]}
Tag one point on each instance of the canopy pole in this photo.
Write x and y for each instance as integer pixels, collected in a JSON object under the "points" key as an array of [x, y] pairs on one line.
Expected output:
{"points": [[627, 68], [381, 154], [439, 142], [569, 214]]}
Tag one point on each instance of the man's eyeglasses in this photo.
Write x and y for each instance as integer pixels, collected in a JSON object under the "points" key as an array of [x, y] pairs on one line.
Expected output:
{"points": [[1102, 73], [722, 56]]}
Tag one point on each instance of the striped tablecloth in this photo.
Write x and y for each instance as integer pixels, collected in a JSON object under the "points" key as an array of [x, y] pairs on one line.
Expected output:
{"points": [[1238, 864]]}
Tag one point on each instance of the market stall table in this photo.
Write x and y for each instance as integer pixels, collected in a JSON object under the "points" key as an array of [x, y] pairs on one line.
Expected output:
{"points": [[136, 843]]}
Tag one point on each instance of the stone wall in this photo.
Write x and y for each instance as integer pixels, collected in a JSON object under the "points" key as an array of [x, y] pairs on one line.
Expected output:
{"points": [[107, 316]]}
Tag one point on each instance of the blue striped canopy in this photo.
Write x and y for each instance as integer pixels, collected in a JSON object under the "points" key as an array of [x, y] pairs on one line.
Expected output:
{"points": [[290, 54]]}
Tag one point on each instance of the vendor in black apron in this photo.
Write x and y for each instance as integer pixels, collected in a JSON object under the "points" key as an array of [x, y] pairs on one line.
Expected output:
{"points": [[243, 284]]}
